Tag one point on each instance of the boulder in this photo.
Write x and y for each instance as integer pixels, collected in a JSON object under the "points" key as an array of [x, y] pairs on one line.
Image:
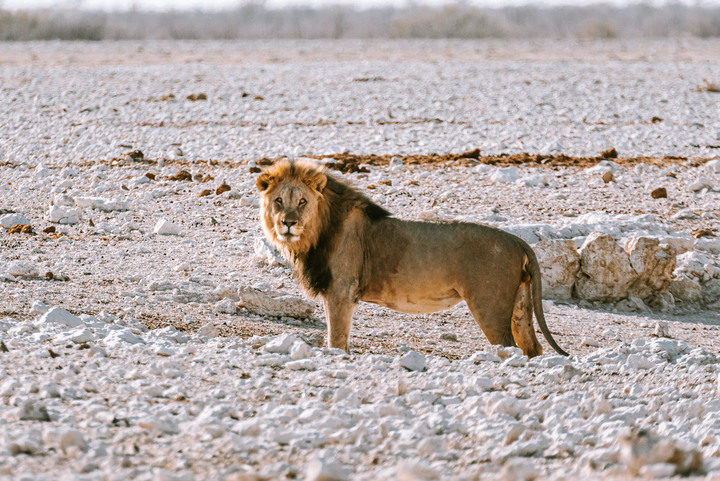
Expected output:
{"points": [[559, 262], [264, 304], [686, 289], [605, 270], [654, 265]]}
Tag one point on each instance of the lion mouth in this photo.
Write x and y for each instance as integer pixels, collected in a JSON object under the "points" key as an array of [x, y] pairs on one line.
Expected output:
{"points": [[288, 235]]}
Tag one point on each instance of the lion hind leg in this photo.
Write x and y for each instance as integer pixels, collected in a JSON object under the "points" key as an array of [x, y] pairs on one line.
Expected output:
{"points": [[493, 322], [522, 320]]}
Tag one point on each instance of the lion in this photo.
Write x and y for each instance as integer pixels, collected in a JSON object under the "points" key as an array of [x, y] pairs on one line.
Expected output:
{"points": [[346, 249]]}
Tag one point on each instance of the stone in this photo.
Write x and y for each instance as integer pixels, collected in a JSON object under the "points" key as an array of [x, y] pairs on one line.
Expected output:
{"points": [[685, 289], [643, 447], [700, 184], [165, 227], [226, 306], [58, 315], [711, 291], [504, 175], [559, 264], [64, 215], [23, 269], [662, 329], [265, 253], [281, 344], [589, 341], [416, 470], [412, 361], [608, 176], [105, 205], [605, 269], [322, 470], [9, 220], [659, 193], [261, 303], [32, 410], [654, 265], [638, 361]]}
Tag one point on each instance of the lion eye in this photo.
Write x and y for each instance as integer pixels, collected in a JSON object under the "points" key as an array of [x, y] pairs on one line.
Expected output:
{"points": [[278, 201], [302, 202]]}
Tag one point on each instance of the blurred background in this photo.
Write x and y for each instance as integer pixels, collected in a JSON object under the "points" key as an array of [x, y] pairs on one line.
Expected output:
{"points": [[315, 19]]}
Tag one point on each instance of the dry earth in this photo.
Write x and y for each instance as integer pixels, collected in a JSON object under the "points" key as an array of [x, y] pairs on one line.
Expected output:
{"points": [[111, 261]]}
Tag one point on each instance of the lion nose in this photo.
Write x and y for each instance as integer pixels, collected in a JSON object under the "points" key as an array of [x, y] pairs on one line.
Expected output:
{"points": [[289, 223]]}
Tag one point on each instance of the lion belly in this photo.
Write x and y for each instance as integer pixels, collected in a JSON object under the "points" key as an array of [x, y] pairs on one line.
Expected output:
{"points": [[414, 302]]}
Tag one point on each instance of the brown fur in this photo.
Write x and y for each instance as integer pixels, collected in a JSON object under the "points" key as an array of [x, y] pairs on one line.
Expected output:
{"points": [[347, 249]]}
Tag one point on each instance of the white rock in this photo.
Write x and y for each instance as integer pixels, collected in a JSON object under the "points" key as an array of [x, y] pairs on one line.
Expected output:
{"points": [[662, 329], [589, 341], [65, 438], [713, 167], [504, 175], [9, 220], [122, 336], [606, 273], [638, 361], [105, 205], [416, 470], [413, 361], [685, 289], [322, 470], [266, 254], [261, 303], [302, 365], [559, 264], [39, 307], [21, 268], [165, 227], [300, 350], [64, 215], [700, 184], [281, 344], [58, 315], [226, 306]]}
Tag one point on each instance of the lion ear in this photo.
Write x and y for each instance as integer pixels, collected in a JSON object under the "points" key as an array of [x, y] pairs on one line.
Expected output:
{"points": [[263, 181], [318, 182]]}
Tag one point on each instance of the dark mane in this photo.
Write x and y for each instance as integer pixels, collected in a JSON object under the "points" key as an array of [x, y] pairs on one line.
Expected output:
{"points": [[341, 199]]}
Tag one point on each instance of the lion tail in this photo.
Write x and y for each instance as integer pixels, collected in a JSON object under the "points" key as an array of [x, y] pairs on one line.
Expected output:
{"points": [[533, 268]]}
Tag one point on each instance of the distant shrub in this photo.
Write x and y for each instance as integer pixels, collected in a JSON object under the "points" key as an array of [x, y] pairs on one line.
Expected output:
{"points": [[253, 20]]}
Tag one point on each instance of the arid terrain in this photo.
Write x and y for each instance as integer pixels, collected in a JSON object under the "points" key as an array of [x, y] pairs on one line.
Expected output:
{"points": [[127, 351]]}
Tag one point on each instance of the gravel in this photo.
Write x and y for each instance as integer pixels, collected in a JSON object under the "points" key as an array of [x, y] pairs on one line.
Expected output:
{"points": [[148, 332]]}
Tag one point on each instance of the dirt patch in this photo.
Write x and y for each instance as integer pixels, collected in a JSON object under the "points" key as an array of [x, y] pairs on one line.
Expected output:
{"points": [[347, 162]]}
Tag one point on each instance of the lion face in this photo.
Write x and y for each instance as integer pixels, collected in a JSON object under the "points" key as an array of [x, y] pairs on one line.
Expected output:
{"points": [[290, 200]]}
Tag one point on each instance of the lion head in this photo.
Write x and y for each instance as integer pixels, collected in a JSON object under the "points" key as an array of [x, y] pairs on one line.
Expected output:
{"points": [[291, 204]]}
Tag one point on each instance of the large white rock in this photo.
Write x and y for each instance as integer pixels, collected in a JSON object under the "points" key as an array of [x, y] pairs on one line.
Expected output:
{"points": [[64, 215], [9, 220], [261, 303], [320, 470], [58, 315], [653, 263], [559, 262], [606, 272]]}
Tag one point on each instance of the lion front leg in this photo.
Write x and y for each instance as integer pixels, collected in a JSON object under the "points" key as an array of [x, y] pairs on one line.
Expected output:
{"points": [[338, 315]]}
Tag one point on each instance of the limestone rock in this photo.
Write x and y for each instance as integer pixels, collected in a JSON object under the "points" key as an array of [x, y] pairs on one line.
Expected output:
{"points": [[559, 262], [653, 263], [413, 361], [9, 220], [686, 289], [165, 227], [261, 303], [606, 272], [64, 215]]}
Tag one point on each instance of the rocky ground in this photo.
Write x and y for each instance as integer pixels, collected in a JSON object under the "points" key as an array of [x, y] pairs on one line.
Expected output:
{"points": [[132, 345]]}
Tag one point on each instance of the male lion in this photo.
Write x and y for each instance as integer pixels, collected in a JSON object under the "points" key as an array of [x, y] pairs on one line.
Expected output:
{"points": [[347, 249]]}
